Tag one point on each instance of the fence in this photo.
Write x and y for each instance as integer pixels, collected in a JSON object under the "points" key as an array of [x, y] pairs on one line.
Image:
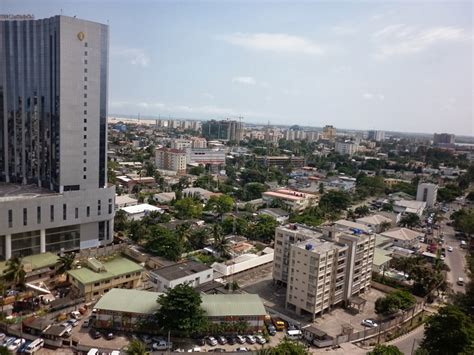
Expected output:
{"points": [[102, 251]]}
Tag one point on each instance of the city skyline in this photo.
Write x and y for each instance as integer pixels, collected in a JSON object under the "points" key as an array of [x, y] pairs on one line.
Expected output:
{"points": [[370, 66]]}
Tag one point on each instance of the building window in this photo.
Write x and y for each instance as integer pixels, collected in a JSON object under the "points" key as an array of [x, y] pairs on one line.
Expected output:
{"points": [[85, 136], [10, 218], [85, 103], [85, 129], [85, 96], [85, 44], [88, 211], [51, 213], [110, 205], [84, 168], [85, 120], [85, 78], [38, 214], [64, 211], [85, 61], [76, 212], [85, 145], [25, 216], [84, 161], [84, 177], [85, 70], [85, 112], [85, 53], [85, 87], [99, 207]]}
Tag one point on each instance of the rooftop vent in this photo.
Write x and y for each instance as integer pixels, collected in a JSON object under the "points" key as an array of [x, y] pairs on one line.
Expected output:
{"points": [[309, 247]]}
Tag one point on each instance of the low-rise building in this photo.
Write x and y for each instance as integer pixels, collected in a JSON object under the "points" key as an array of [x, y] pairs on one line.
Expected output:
{"points": [[281, 216], [137, 212], [281, 161], [206, 156], [189, 272], [97, 278], [244, 262], [407, 206], [164, 197], [200, 193], [124, 201], [294, 200], [404, 237], [375, 222]]}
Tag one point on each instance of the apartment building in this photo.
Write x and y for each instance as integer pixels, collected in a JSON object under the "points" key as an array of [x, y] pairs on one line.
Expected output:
{"points": [[322, 268], [181, 144], [295, 201], [281, 161], [377, 136], [171, 159], [329, 132], [346, 148]]}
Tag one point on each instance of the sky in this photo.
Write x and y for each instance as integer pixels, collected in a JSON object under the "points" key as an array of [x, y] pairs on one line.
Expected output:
{"points": [[398, 66]]}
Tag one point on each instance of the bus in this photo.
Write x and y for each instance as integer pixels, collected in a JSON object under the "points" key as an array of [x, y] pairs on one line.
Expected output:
{"points": [[278, 323]]}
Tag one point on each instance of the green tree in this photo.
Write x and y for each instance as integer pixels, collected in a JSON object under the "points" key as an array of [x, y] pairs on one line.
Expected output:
{"points": [[387, 305], [180, 311], [253, 190], [263, 229], [362, 211], [120, 221], [4, 351], [136, 347], [187, 208], [197, 170], [382, 349], [410, 220], [65, 263], [449, 331], [198, 238], [335, 201], [163, 242], [286, 347], [137, 231], [220, 204], [15, 272], [220, 244], [241, 225], [385, 226]]}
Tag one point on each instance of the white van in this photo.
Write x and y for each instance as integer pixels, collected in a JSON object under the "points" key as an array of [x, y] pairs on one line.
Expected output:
{"points": [[34, 346], [294, 334], [460, 281], [93, 351], [463, 244]]}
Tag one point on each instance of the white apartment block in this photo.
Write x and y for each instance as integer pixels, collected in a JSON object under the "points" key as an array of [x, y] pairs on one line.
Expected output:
{"points": [[346, 148], [171, 159], [322, 269], [428, 193], [181, 144], [198, 143]]}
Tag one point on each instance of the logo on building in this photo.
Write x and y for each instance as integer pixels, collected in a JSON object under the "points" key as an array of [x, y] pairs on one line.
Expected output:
{"points": [[81, 36]]}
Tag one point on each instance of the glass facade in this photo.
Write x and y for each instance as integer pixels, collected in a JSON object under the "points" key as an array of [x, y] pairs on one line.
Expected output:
{"points": [[26, 243], [67, 238]]}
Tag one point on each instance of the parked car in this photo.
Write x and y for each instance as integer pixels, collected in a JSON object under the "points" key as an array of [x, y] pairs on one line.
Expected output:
{"points": [[211, 341], [2, 336], [86, 323], [14, 345], [34, 346], [75, 315], [242, 349], [231, 340], [221, 340], [240, 339], [260, 339], [251, 339], [460, 281], [201, 341], [271, 329], [95, 334], [109, 336], [8, 341], [369, 323], [73, 322], [161, 345], [218, 350], [147, 339], [450, 248]]}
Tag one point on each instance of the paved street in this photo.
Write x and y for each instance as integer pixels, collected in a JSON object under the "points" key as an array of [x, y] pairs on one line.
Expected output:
{"points": [[405, 342]]}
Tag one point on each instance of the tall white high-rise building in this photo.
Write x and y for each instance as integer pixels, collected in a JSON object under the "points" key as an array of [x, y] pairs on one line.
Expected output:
{"points": [[428, 193], [53, 136]]}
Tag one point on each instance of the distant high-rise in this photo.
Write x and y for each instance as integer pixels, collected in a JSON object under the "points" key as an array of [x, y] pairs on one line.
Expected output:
{"points": [[225, 130], [377, 136], [53, 136], [443, 139], [329, 133]]}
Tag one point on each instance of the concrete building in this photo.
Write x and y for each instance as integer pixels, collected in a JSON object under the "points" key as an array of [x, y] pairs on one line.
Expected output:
{"points": [[125, 201], [444, 139], [378, 136], [281, 161], [181, 144], [171, 159], [322, 270], [189, 272], [375, 222], [329, 133], [403, 237], [98, 278], [53, 136], [295, 201], [206, 156], [428, 193], [137, 212], [227, 130], [408, 206], [198, 143], [346, 148]]}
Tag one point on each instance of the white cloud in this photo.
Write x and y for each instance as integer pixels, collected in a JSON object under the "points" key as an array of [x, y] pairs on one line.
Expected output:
{"points": [[373, 96], [273, 42], [135, 56], [400, 39], [246, 80], [208, 95], [344, 30]]}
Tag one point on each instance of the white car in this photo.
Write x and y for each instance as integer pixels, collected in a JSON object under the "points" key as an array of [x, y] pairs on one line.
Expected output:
{"points": [[240, 339], [251, 339], [242, 349], [260, 339], [161, 345], [211, 341], [369, 323], [16, 344], [450, 248]]}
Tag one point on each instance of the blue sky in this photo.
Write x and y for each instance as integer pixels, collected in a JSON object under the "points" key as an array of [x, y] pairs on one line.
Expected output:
{"points": [[404, 66]]}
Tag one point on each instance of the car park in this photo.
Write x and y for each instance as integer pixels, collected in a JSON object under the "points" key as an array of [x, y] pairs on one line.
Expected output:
{"points": [[250, 339], [34, 346], [260, 339], [109, 336], [369, 323], [211, 341], [240, 339], [231, 340], [221, 340], [161, 345]]}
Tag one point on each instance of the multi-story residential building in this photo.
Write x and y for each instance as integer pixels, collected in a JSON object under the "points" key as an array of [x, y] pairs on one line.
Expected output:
{"points": [[198, 143], [281, 161], [228, 130], [285, 236], [53, 136], [295, 201], [428, 193], [329, 133], [189, 272], [171, 159], [377, 136], [181, 144], [206, 156], [322, 269], [443, 139], [346, 148]]}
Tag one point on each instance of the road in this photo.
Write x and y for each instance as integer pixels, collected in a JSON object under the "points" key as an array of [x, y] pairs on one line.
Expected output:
{"points": [[405, 342]]}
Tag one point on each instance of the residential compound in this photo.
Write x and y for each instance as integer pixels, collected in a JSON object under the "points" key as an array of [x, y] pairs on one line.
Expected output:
{"points": [[171, 159], [53, 136], [294, 200], [322, 268]]}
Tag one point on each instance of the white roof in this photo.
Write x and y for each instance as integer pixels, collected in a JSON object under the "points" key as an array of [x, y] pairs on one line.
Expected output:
{"points": [[141, 208], [401, 234], [415, 205], [374, 219], [124, 199], [350, 224]]}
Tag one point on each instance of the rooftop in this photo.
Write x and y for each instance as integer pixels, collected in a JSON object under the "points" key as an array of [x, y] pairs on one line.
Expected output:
{"points": [[141, 208], [319, 245], [222, 305], [401, 234], [133, 301], [288, 194], [180, 270], [352, 225], [35, 262], [381, 257], [301, 230], [116, 267], [122, 199], [374, 219], [9, 192]]}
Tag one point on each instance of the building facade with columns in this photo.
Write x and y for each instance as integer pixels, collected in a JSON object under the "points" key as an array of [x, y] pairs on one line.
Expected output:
{"points": [[53, 136]]}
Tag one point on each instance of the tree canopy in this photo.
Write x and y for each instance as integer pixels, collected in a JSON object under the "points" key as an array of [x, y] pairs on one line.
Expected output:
{"points": [[382, 349]]}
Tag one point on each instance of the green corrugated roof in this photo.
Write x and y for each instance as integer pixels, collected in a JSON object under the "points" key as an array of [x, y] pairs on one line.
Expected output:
{"points": [[232, 304], [133, 301], [113, 268], [381, 257], [37, 261]]}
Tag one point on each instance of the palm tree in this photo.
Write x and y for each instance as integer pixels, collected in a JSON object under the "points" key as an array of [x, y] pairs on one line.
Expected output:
{"points": [[384, 226], [136, 347], [221, 244], [15, 272], [65, 263]]}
